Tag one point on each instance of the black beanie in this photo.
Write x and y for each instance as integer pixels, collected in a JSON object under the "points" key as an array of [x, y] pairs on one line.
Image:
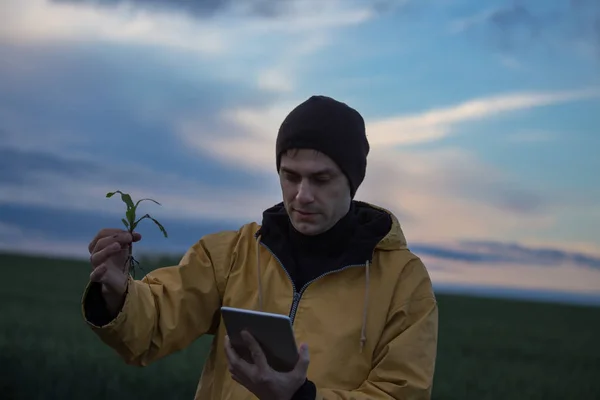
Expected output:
{"points": [[331, 127]]}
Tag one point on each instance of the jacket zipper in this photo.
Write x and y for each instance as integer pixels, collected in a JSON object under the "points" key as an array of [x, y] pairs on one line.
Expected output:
{"points": [[298, 295]]}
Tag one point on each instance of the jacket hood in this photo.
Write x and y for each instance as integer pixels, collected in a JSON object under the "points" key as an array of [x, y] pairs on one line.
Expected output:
{"points": [[376, 228], [365, 229], [394, 239]]}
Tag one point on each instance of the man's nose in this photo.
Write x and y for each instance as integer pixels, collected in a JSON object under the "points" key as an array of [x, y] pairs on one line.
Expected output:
{"points": [[304, 194]]}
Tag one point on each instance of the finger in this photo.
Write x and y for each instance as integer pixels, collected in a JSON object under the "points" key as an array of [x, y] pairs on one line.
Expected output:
{"points": [[107, 236], [124, 238], [258, 356], [102, 234], [105, 241], [98, 273], [231, 354], [237, 373], [237, 365], [103, 255], [304, 358]]}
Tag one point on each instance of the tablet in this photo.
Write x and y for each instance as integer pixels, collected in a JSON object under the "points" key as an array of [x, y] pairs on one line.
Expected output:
{"points": [[273, 332]]}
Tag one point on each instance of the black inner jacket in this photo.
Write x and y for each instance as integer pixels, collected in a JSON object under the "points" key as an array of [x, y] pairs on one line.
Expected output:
{"points": [[350, 242]]}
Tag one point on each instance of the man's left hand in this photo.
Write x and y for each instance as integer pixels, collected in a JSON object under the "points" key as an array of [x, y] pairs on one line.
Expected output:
{"points": [[259, 378]]}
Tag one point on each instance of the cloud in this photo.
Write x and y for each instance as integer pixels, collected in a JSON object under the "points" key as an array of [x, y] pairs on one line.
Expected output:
{"points": [[18, 166], [14, 239], [252, 145], [511, 62], [428, 126], [291, 63], [233, 27], [260, 9], [257, 126], [104, 121], [524, 24], [33, 229], [198, 8], [92, 103], [9, 230], [501, 253], [39, 21], [438, 123], [77, 123], [512, 270], [181, 198], [234, 40], [450, 193], [563, 278], [460, 25]]}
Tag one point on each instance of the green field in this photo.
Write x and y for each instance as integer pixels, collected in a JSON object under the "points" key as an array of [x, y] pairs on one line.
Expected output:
{"points": [[489, 348]]}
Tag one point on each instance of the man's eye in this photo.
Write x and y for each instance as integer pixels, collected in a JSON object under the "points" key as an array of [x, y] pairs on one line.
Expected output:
{"points": [[321, 179], [291, 177]]}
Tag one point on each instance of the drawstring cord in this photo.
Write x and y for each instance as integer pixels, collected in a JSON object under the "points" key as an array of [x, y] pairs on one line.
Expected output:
{"points": [[363, 331], [260, 294]]}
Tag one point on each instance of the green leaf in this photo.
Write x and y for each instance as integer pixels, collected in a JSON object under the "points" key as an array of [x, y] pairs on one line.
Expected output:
{"points": [[125, 223], [162, 229], [130, 214], [139, 201], [124, 196]]}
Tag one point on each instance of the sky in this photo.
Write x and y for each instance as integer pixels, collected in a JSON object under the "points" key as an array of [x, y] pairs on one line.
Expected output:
{"points": [[483, 120]]}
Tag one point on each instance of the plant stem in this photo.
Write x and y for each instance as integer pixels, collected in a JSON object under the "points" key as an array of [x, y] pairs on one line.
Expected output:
{"points": [[130, 255]]}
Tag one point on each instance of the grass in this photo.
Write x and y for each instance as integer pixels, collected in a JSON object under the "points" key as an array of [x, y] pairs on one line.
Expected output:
{"points": [[488, 349]]}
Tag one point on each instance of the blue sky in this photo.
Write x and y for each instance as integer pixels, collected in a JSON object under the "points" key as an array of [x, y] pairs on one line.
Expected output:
{"points": [[482, 117]]}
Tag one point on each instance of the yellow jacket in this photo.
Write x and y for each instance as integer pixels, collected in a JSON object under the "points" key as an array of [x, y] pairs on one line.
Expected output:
{"points": [[371, 329]]}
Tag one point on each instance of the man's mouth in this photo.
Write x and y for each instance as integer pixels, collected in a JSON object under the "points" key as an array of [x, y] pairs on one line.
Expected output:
{"points": [[304, 213]]}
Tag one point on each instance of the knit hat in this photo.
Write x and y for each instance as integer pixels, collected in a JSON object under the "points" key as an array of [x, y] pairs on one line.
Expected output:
{"points": [[331, 127]]}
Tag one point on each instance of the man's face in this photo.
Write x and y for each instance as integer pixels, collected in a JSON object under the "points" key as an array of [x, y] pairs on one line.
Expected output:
{"points": [[316, 193]]}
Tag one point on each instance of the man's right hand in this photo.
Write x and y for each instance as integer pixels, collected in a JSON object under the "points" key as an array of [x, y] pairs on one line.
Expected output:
{"points": [[108, 255]]}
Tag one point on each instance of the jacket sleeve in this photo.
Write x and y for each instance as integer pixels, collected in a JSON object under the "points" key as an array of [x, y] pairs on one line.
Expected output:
{"points": [[170, 307], [404, 362]]}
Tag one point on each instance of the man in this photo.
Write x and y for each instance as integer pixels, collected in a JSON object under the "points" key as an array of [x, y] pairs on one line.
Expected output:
{"points": [[360, 301]]}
